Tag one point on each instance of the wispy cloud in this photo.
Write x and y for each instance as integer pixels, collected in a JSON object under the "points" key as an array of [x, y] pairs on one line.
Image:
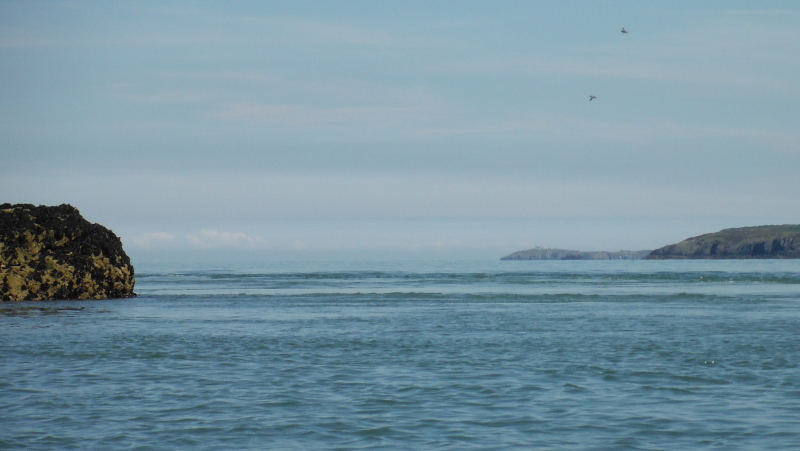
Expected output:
{"points": [[152, 240], [531, 65], [17, 37], [298, 115], [213, 239], [723, 49], [134, 93], [327, 32], [20, 41], [282, 29], [638, 132], [647, 68]]}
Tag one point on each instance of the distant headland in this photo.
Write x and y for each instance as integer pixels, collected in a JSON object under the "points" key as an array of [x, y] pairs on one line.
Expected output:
{"points": [[770, 241], [546, 253], [760, 242]]}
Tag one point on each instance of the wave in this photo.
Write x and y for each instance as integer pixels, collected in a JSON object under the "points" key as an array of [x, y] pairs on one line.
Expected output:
{"points": [[523, 278]]}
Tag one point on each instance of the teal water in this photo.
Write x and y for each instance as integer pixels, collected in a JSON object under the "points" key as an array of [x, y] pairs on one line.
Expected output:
{"points": [[403, 355]]}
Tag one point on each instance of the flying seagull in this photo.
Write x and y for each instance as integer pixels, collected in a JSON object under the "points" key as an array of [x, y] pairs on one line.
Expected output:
{"points": [[623, 30], [592, 98]]}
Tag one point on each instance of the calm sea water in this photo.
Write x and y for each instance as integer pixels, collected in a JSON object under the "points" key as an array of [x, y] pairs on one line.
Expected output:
{"points": [[460, 355]]}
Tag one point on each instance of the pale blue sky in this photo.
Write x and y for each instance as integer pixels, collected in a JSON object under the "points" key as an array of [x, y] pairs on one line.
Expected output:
{"points": [[437, 128]]}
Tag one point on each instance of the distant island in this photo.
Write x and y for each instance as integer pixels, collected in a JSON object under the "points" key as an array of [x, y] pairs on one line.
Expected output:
{"points": [[546, 253], [771, 241]]}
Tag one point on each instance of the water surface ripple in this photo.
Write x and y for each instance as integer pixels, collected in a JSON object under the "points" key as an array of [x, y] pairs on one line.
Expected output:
{"points": [[502, 355]]}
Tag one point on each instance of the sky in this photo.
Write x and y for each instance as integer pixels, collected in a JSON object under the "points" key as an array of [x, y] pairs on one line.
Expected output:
{"points": [[402, 129]]}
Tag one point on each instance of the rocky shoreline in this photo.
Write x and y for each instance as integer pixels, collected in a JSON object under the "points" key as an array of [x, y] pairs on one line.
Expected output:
{"points": [[49, 253]]}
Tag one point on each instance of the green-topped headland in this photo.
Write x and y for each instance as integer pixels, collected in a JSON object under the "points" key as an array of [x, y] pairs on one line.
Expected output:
{"points": [[769, 241]]}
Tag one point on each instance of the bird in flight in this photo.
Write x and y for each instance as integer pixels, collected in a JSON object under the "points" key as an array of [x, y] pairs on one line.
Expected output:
{"points": [[624, 30], [592, 98]]}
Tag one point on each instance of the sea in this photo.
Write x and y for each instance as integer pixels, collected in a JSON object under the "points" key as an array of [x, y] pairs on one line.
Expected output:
{"points": [[445, 355]]}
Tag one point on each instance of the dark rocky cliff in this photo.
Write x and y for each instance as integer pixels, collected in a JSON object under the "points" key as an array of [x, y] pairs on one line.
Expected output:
{"points": [[546, 253], [782, 241], [53, 253]]}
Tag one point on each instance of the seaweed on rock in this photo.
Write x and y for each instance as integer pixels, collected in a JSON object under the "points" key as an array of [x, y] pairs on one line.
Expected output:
{"points": [[54, 253]]}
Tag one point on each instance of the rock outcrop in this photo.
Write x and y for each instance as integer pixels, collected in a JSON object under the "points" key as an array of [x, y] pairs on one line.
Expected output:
{"points": [[53, 253], [546, 253], [781, 241]]}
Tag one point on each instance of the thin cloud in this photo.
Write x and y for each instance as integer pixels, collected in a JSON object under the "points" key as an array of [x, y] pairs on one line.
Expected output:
{"points": [[11, 37], [694, 72], [362, 104], [213, 239], [20, 41], [722, 50], [532, 65], [284, 28], [640, 132], [152, 240], [298, 115], [133, 93]]}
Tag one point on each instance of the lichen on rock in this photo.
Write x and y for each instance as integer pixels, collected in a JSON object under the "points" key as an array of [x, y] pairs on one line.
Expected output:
{"points": [[54, 253]]}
